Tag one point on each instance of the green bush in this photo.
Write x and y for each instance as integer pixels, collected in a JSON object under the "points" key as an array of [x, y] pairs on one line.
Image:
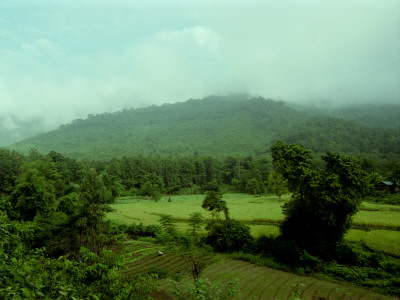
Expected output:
{"points": [[229, 236], [384, 198], [285, 251], [141, 230]]}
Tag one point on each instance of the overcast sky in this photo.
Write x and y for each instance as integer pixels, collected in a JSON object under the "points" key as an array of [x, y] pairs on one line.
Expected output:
{"points": [[61, 61]]}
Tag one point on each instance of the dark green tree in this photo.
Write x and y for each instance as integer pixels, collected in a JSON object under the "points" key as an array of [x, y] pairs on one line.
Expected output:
{"points": [[323, 200], [213, 203], [168, 224], [95, 199], [151, 186], [10, 164], [229, 235], [35, 190], [277, 184], [196, 220]]}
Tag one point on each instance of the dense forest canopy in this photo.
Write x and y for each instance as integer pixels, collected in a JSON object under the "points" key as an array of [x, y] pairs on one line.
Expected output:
{"points": [[216, 125]]}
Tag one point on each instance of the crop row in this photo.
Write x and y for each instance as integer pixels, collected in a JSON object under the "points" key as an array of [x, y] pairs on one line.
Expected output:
{"points": [[171, 262], [255, 282], [263, 283]]}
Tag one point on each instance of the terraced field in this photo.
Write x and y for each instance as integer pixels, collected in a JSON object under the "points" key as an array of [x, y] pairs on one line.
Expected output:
{"points": [[377, 226], [255, 282]]}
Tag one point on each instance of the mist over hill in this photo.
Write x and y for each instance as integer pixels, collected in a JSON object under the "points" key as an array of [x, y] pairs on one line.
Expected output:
{"points": [[216, 125]]}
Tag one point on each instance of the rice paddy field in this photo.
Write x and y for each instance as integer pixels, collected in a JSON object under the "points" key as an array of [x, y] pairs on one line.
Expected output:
{"points": [[376, 226], [254, 282]]}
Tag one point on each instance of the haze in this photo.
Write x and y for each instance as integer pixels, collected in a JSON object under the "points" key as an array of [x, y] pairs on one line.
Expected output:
{"points": [[61, 61]]}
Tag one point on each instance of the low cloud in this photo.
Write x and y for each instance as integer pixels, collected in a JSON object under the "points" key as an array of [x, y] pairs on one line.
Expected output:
{"points": [[64, 61]]}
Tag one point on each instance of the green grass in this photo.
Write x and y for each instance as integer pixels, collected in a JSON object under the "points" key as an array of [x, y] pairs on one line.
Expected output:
{"points": [[241, 207], [263, 214], [378, 219], [384, 241]]}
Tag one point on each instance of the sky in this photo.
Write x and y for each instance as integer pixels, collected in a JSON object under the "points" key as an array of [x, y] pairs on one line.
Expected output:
{"points": [[62, 60]]}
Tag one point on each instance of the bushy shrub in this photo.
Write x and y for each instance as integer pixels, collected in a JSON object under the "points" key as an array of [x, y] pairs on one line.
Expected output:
{"points": [[346, 255], [355, 274], [141, 230], [285, 251], [229, 236], [384, 198]]}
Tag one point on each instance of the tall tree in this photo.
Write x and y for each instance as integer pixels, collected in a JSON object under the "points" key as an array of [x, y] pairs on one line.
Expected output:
{"points": [[95, 201], [277, 184], [213, 202], [10, 164], [323, 200]]}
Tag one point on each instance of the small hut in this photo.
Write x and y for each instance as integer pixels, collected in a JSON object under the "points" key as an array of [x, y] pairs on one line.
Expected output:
{"points": [[387, 186]]}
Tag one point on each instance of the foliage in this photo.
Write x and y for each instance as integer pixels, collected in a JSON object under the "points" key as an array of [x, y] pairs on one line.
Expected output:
{"points": [[196, 220], [213, 202], [323, 133], [53, 233], [229, 235], [168, 224], [37, 277], [10, 164], [28, 274], [35, 190], [135, 230], [277, 184], [323, 201], [151, 186], [220, 126], [94, 199]]}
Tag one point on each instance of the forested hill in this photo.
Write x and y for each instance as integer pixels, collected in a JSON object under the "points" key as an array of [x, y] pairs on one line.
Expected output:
{"points": [[221, 126], [383, 115]]}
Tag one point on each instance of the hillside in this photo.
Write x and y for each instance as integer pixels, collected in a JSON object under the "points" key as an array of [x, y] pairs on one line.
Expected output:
{"points": [[376, 115], [221, 126], [385, 115]]}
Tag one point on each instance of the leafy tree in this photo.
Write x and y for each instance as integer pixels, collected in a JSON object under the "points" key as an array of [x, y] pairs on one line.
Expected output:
{"points": [[195, 221], [395, 174], [277, 184], [10, 164], [151, 186], [213, 203], [95, 200], [35, 189], [254, 187], [229, 235], [292, 161], [168, 224], [69, 169], [323, 201]]}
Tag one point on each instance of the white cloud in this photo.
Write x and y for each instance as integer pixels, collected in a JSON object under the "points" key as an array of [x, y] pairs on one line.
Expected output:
{"points": [[201, 36], [63, 61]]}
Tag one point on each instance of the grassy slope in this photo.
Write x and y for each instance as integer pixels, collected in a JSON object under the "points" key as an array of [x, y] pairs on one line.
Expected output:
{"points": [[377, 226], [255, 282]]}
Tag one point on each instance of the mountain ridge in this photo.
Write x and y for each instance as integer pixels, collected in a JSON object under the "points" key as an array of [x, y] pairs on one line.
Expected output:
{"points": [[215, 125]]}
